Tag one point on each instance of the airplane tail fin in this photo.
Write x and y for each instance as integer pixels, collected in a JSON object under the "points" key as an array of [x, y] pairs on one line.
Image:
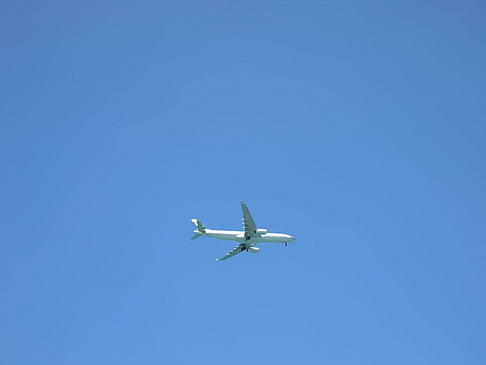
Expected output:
{"points": [[199, 226]]}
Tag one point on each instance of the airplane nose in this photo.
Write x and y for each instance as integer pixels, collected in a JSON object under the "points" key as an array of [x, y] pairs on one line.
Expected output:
{"points": [[292, 238]]}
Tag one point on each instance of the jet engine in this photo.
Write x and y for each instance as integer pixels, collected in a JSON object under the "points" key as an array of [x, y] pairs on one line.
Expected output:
{"points": [[253, 249], [261, 231]]}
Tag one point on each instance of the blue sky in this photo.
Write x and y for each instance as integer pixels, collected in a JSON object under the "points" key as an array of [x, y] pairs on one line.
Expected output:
{"points": [[356, 126]]}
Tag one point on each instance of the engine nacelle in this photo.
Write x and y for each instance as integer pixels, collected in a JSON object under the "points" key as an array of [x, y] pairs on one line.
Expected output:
{"points": [[253, 249], [261, 231]]}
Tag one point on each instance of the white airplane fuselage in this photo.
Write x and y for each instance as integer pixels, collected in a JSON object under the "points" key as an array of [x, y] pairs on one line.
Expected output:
{"points": [[239, 236]]}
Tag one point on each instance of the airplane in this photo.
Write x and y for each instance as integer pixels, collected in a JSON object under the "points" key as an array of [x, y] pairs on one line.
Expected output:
{"points": [[247, 239]]}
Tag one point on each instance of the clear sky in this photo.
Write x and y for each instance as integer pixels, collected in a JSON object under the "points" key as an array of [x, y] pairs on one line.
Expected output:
{"points": [[356, 126]]}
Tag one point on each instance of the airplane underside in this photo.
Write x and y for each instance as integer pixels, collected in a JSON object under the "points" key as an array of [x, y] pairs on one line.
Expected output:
{"points": [[247, 239]]}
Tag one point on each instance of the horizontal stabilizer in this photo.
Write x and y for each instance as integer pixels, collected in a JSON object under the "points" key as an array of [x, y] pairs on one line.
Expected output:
{"points": [[196, 236]]}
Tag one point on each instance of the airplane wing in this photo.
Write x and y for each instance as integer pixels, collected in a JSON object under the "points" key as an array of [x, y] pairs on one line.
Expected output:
{"points": [[235, 251], [248, 222]]}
